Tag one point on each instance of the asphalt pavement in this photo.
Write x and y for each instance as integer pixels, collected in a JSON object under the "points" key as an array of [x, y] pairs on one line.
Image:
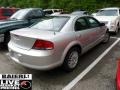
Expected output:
{"points": [[102, 76]]}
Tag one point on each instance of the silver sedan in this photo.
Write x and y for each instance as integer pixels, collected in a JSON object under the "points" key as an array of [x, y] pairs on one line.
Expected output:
{"points": [[56, 41]]}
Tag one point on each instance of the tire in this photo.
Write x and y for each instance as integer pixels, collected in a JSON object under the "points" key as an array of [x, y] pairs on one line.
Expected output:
{"points": [[106, 37], [6, 38], [117, 30], [71, 59]]}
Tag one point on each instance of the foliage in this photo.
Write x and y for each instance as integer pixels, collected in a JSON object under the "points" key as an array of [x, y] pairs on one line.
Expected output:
{"points": [[69, 5]]}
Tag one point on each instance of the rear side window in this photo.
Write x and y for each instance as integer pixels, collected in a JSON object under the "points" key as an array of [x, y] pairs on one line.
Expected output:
{"points": [[81, 24], [7, 12], [93, 22], [35, 13]]}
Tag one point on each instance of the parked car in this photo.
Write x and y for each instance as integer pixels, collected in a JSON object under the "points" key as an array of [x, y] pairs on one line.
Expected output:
{"points": [[56, 41], [20, 19], [82, 12], [53, 11], [57, 13], [62, 12], [5, 13], [95, 12], [118, 76], [111, 17]]}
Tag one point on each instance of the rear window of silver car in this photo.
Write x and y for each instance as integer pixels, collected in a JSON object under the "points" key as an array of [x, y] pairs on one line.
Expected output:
{"points": [[51, 23]]}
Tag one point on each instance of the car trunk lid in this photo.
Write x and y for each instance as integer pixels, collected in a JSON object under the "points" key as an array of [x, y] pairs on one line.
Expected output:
{"points": [[25, 38]]}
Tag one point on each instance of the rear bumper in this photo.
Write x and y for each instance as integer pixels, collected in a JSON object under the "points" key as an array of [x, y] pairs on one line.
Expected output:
{"points": [[35, 59]]}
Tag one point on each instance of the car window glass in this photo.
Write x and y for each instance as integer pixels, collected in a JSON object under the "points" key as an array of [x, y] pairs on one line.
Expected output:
{"points": [[30, 14], [85, 13], [80, 24], [107, 13], [20, 14], [51, 23], [93, 22], [56, 11], [34, 13], [49, 12], [37, 13], [7, 12]]}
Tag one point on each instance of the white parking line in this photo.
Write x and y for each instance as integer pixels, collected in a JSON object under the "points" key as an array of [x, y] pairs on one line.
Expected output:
{"points": [[114, 37], [81, 75]]}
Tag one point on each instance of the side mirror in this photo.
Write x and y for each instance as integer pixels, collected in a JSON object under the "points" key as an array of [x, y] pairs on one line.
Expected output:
{"points": [[102, 24]]}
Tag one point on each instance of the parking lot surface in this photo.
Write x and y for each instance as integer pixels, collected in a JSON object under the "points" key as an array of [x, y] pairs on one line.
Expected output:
{"points": [[101, 77]]}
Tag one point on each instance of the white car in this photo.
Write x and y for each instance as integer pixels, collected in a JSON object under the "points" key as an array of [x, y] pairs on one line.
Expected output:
{"points": [[56, 13], [53, 11], [111, 17]]}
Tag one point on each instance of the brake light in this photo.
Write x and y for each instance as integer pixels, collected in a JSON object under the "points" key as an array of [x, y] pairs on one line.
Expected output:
{"points": [[43, 45]]}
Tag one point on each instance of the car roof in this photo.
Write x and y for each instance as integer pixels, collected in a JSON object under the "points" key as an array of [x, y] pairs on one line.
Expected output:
{"points": [[32, 8], [110, 8], [70, 15]]}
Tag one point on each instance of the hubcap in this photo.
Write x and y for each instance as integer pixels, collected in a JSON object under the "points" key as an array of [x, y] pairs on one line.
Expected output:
{"points": [[73, 59]]}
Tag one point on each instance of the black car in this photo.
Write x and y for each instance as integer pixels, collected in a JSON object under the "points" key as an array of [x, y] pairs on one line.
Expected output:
{"points": [[21, 19]]}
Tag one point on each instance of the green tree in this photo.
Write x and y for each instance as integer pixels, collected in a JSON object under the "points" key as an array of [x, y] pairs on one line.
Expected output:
{"points": [[69, 5]]}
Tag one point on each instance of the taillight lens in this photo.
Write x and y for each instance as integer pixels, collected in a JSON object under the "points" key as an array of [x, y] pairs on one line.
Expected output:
{"points": [[43, 45]]}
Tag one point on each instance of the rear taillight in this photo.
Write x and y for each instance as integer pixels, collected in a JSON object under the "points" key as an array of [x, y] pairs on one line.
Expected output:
{"points": [[43, 45]]}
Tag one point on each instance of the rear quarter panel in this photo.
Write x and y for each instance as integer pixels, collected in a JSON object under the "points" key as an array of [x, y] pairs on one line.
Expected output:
{"points": [[63, 42]]}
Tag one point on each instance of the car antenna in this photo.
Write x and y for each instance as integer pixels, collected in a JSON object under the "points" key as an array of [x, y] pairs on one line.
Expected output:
{"points": [[53, 26]]}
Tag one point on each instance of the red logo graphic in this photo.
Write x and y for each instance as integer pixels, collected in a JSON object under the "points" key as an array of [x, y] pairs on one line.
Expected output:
{"points": [[26, 85]]}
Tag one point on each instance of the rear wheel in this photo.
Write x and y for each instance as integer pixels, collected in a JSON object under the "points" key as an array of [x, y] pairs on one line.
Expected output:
{"points": [[117, 29], [71, 59], [6, 38], [106, 37], [116, 32]]}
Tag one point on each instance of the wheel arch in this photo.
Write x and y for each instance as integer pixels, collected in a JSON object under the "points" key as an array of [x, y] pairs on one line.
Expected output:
{"points": [[68, 47]]}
